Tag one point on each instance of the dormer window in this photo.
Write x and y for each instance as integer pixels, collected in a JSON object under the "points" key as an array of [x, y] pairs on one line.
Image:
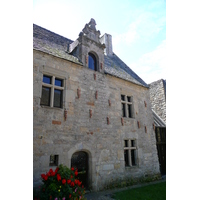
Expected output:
{"points": [[92, 62]]}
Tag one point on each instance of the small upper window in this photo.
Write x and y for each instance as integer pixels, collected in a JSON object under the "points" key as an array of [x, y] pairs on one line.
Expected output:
{"points": [[127, 106], [92, 62]]}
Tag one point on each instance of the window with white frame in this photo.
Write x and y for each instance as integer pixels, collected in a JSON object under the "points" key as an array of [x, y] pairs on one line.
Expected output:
{"points": [[127, 106], [52, 91], [130, 152]]}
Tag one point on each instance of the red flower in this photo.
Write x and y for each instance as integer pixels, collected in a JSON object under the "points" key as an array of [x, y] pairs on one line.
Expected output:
{"points": [[56, 169], [72, 184], [53, 174], [70, 195], [72, 169], [79, 183], [76, 181], [45, 177], [68, 181], [63, 181], [76, 173], [71, 176], [58, 177]]}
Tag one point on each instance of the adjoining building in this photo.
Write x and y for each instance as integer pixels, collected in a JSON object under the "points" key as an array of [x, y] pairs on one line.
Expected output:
{"points": [[158, 104], [90, 110]]}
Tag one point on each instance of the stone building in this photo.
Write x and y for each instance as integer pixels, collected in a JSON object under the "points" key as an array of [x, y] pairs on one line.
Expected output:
{"points": [[158, 103], [90, 111], [158, 98]]}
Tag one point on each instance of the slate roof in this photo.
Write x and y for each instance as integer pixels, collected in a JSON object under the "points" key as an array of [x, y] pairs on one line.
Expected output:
{"points": [[54, 44], [157, 120], [116, 67]]}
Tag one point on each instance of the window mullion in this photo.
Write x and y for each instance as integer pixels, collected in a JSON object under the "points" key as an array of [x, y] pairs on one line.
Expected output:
{"points": [[129, 153], [52, 91], [58, 87], [126, 109], [129, 158]]}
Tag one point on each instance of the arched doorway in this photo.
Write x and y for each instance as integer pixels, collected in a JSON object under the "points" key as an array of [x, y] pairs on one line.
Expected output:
{"points": [[79, 161]]}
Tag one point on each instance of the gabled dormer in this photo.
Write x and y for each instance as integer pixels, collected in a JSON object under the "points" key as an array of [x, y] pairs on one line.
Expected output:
{"points": [[88, 48]]}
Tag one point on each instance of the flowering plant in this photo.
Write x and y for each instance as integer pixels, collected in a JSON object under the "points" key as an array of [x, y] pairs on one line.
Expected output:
{"points": [[62, 184]]}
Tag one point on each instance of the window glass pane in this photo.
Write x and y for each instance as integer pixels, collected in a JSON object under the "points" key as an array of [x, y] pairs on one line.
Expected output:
{"points": [[133, 157], [52, 159], [46, 79], [57, 98], [125, 143], [123, 97], [123, 110], [92, 62], [132, 143], [129, 111], [58, 82], [126, 157], [129, 99], [45, 100]]}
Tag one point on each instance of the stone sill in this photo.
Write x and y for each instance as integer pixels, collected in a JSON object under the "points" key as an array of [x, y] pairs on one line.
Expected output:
{"points": [[52, 108]]}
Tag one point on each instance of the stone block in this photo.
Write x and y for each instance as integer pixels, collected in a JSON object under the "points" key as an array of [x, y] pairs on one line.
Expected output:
{"points": [[108, 167]]}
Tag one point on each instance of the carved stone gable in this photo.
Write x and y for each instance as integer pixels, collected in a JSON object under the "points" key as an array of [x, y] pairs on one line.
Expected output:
{"points": [[89, 42], [90, 31]]}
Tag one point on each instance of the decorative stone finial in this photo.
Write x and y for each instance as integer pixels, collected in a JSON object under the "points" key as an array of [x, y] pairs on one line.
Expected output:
{"points": [[92, 24], [90, 27]]}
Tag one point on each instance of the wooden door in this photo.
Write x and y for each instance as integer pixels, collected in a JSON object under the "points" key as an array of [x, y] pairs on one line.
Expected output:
{"points": [[161, 147], [79, 161]]}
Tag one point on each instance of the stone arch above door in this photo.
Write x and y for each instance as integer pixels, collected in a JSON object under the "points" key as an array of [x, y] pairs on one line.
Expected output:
{"points": [[91, 159]]}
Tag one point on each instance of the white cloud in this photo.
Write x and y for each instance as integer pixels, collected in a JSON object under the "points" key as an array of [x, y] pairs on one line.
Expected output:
{"points": [[146, 25], [152, 66]]}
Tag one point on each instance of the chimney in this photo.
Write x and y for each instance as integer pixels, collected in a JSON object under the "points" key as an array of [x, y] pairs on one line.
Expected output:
{"points": [[107, 40]]}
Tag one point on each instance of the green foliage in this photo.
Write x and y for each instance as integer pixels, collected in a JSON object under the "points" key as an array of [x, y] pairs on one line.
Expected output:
{"points": [[120, 183], [61, 184]]}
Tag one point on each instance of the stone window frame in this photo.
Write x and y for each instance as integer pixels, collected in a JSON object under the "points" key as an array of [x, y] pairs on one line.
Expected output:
{"points": [[52, 87], [129, 149], [94, 54], [125, 104]]}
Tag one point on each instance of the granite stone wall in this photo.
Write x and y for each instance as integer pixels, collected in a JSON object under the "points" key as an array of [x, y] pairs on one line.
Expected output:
{"points": [[158, 98], [93, 123]]}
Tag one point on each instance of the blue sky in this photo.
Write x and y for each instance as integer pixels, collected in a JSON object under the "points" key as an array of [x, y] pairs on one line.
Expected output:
{"points": [[138, 28]]}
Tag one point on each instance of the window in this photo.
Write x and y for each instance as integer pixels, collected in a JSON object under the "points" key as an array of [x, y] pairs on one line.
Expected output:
{"points": [[52, 91], [92, 62], [127, 106], [53, 160], [130, 152]]}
